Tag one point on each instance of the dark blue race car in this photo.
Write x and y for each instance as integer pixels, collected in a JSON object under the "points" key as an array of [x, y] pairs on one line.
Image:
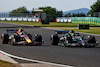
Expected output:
{"points": [[73, 39]]}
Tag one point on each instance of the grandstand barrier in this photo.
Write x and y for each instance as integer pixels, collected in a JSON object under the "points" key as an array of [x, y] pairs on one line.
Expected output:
{"points": [[69, 20], [37, 19], [8, 18], [58, 20], [21, 19], [14, 19], [29, 19], [3, 18], [86, 20], [33, 19], [63, 20], [25, 19]]}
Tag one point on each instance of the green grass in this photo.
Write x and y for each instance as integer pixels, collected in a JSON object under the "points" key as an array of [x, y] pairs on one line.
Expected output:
{"points": [[94, 31], [5, 64], [52, 24], [8, 64]]}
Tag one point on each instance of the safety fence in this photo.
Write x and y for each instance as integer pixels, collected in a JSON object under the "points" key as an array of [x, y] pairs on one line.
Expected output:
{"points": [[86, 20], [79, 20], [63, 20], [30, 19]]}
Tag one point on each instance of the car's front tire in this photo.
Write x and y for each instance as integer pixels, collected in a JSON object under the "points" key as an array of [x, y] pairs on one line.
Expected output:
{"points": [[54, 39]]}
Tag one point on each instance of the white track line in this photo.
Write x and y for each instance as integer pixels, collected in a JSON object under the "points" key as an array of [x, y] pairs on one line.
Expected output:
{"points": [[33, 60]]}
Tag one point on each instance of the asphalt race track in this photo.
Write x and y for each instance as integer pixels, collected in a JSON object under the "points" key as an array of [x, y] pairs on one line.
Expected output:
{"points": [[75, 56]]}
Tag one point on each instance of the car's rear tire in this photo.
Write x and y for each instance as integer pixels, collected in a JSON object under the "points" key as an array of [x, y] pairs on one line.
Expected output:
{"points": [[4, 38], [54, 39], [91, 40], [39, 39]]}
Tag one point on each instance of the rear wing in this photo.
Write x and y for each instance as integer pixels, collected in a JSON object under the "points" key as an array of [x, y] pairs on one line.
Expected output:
{"points": [[61, 32], [12, 31]]}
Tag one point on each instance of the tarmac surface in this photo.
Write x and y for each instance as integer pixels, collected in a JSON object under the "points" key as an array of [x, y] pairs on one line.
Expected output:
{"points": [[73, 56]]}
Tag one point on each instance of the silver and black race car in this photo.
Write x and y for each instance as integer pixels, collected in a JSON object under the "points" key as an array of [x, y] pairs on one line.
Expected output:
{"points": [[73, 39], [20, 37]]}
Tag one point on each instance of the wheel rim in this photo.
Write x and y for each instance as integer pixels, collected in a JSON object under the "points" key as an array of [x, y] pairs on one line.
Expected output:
{"points": [[11, 41], [51, 40]]}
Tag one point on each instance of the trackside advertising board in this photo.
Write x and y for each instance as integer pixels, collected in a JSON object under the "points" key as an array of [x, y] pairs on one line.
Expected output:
{"points": [[86, 20]]}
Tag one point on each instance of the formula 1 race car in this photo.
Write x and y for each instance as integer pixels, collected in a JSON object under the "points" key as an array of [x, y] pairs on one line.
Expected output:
{"points": [[73, 39], [20, 37]]}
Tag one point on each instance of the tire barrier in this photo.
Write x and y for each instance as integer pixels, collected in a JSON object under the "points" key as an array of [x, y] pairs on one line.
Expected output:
{"points": [[25, 19], [14, 19], [8, 19], [63, 20], [33, 19], [37, 20], [86, 20], [20, 19], [29, 19], [3, 18]]}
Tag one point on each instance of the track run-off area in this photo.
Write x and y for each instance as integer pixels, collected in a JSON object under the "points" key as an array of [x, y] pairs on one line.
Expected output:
{"points": [[73, 56]]}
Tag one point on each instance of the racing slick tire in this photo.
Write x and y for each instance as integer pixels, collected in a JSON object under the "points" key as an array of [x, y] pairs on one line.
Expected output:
{"points": [[54, 39], [38, 39], [4, 38], [92, 40]]}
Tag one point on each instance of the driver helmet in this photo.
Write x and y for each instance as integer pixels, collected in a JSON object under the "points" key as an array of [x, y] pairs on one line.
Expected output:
{"points": [[71, 31], [21, 30], [89, 36], [36, 35]]}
